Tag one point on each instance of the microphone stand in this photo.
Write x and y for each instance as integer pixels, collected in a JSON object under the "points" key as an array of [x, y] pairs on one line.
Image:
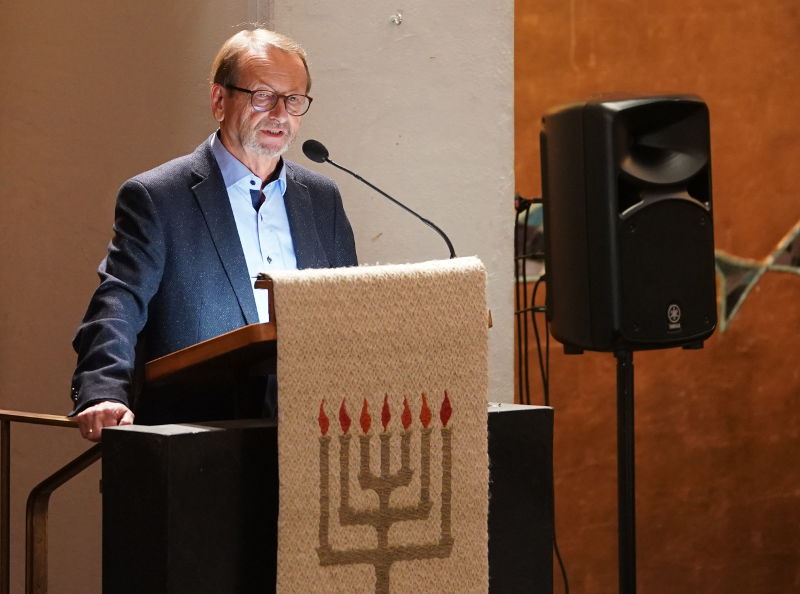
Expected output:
{"points": [[400, 204]]}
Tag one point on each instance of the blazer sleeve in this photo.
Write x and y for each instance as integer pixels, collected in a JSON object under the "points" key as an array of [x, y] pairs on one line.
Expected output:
{"points": [[129, 275]]}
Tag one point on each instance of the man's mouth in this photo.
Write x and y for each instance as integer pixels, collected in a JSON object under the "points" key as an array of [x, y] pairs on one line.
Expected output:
{"points": [[274, 133]]}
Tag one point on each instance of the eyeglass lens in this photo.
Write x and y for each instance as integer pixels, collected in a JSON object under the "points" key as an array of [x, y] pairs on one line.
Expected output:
{"points": [[295, 104]]}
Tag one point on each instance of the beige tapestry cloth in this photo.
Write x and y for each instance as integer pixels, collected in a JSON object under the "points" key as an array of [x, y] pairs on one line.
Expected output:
{"points": [[382, 372]]}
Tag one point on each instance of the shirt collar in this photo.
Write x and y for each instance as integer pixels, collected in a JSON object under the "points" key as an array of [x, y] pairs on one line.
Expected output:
{"points": [[235, 172]]}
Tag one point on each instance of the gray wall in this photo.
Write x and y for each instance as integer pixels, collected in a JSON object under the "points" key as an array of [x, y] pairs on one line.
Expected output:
{"points": [[424, 110], [96, 92]]}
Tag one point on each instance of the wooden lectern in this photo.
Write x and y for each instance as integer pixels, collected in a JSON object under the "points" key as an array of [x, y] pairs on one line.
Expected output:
{"points": [[244, 347]]}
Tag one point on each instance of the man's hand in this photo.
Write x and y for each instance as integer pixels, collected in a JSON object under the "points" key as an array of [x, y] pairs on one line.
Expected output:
{"points": [[105, 414]]}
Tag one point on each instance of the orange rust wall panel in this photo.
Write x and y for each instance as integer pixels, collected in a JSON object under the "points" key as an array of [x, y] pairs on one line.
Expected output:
{"points": [[741, 57], [718, 430]]}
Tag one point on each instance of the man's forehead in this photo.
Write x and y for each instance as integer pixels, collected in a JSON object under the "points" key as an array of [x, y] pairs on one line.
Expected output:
{"points": [[271, 60]]}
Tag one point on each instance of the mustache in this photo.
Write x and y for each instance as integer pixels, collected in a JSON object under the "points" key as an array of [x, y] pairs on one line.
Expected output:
{"points": [[274, 125]]}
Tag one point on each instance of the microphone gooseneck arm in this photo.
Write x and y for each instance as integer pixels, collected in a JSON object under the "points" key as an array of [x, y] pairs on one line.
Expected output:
{"points": [[400, 204]]}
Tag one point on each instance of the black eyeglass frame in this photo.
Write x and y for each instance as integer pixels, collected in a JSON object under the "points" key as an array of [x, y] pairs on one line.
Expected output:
{"points": [[277, 96]]}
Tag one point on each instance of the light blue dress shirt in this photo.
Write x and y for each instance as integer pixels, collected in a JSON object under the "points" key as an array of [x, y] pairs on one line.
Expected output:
{"points": [[265, 235]]}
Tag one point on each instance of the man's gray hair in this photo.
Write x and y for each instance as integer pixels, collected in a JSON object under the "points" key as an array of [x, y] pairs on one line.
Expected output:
{"points": [[225, 69]]}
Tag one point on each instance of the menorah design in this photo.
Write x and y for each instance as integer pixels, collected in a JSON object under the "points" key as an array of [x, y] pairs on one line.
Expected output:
{"points": [[384, 516]]}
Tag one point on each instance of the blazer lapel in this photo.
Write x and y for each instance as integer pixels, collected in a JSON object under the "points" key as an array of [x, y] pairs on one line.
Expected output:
{"points": [[212, 198], [308, 248]]}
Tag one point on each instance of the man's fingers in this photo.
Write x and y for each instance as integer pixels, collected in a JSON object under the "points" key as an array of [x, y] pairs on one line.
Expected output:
{"points": [[89, 429], [105, 414]]}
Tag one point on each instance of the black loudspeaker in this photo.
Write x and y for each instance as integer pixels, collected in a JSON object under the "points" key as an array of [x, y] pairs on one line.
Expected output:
{"points": [[629, 240]]}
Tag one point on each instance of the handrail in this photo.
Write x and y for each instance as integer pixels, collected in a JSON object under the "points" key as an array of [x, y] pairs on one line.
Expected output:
{"points": [[37, 418], [36, 514], [5, 505], [36, 519]]}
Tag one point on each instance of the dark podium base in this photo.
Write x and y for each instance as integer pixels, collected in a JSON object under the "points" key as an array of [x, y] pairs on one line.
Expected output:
{"points": [[520, 499], [192, 509]]}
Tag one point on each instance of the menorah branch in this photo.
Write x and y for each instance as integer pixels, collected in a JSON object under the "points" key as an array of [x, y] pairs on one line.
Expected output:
{"points": [[383, 484]]}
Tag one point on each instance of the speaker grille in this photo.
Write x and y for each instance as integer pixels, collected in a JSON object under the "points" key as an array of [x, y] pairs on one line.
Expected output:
{"points": [[667, 272]]}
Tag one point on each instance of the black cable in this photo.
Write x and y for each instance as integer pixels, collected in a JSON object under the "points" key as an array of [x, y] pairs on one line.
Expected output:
{"points": [[522, 206], [558, 556], [521, 358], [537, 309], [543, 370], [547, 350], [525, 294], [521, 313]]}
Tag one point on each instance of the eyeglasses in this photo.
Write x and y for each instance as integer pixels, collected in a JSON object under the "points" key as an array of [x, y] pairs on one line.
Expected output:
{"points": [[264, 100]]}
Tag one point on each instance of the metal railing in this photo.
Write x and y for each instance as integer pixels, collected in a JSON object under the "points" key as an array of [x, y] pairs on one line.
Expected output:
{"points": [[38, 501]]}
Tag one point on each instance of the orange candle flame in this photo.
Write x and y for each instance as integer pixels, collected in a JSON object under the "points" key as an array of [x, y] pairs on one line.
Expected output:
{"points": [[406, 416], [425, 412], [446, 412], [323, 420], [344, 418], [366, 420], [386, 414]]}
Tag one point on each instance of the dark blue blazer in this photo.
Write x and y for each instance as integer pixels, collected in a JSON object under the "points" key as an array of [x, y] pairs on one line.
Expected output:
{"points": [[175, 273]]}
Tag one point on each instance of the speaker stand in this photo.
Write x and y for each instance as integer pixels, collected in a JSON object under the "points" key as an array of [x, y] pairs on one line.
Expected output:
{"points": [[626, 491]]}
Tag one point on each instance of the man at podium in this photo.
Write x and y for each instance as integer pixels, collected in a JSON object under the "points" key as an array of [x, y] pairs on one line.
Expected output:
{"points": [[191, 235]]}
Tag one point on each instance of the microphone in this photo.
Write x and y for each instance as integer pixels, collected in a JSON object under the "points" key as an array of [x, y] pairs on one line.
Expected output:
{"points": [[316, 151]]}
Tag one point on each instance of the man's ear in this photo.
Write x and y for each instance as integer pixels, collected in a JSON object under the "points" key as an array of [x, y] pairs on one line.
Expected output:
{"points": [[218, 97]]}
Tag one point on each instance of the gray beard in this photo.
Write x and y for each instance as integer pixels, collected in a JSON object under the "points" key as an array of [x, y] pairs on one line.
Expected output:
{"points": [[254, 146], [271, 153]]}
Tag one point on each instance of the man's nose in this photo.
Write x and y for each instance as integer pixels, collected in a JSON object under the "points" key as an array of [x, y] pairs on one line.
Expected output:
{"points": [[278, 111]]}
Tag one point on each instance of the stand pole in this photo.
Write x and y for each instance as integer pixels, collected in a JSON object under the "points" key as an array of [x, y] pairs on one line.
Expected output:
{"points": [[626, 491]]}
